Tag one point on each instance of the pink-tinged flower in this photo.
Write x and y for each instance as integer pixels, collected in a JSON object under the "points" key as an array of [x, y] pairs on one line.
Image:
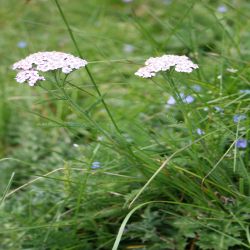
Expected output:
{"points": [[164, 63], [30, 76], [30, 67]]}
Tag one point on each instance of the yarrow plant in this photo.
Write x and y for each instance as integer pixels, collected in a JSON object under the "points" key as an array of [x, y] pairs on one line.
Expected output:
{"points": [[30, 67], [164, 63]]}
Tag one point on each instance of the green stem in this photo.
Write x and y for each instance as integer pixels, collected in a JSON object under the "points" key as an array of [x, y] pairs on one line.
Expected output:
{"points": [[102, 100], [87, 69], [84, 113], [181, 104], [68, 28]]}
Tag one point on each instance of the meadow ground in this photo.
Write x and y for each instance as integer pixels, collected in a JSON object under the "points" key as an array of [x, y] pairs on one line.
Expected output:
{"points": [[110, 160]]}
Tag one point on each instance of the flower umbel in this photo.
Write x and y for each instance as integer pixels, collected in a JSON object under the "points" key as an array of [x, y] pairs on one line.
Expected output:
{"points": [[30, 66], [163, 63]]}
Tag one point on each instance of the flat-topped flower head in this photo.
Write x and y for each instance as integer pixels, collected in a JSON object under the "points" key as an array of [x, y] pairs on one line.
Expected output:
{"points": [[164, 63], [30, 66]]}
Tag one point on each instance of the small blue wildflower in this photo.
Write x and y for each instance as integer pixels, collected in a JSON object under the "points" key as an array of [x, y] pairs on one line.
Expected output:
{"points": [[128, 48], [218, 109], [188, 99], [200, 131], [182, 96], [96, 165], [222, 9], [197, 88], [171, 101], [238, 118], [22, 44], [245, 91], [241, 143]]}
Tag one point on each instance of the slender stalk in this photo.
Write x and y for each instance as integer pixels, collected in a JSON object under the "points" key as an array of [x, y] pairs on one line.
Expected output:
{"points": [[87, 69], [180, 102], [68, 28], [78, 108], [102, 100], [235, 147]]}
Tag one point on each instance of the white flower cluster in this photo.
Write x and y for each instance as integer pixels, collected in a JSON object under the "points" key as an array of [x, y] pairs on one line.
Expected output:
{"points": [[30, 66], [163, 63], [32, 76]]}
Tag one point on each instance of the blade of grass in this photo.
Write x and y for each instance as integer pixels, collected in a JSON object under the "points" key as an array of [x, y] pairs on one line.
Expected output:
{"points": [[7, 188]]}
